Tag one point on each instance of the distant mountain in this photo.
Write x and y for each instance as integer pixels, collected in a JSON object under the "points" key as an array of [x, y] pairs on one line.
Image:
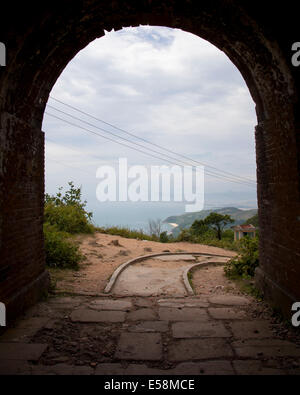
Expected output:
{"points": [[186, 220]]}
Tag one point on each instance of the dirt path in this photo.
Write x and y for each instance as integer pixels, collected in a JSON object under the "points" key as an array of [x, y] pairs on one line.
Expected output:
{"points": [[212, 280], [104, 253], [151, 278]]}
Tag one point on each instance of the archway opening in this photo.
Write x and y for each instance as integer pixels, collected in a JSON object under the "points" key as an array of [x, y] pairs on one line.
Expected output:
{"points": [[37, 58], [152, 96]]}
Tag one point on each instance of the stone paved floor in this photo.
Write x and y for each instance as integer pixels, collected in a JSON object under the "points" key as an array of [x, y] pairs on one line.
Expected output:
{"points": [[139, 335]]}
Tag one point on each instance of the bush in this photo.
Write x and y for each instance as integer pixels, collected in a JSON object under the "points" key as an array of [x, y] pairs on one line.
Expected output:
{"points": [[185, 235], [65, 215], [61, 251], [67, 212], [163, 237], [228, 235], [226, 244], [209, 238], [67, 218], [247, 261], [127, 233]]}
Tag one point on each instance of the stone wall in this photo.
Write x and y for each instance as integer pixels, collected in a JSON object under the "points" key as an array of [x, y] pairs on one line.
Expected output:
{"points": [[22, 271]]}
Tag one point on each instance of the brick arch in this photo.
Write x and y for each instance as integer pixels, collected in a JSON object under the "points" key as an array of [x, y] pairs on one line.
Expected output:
{"points": [[39, 46]]}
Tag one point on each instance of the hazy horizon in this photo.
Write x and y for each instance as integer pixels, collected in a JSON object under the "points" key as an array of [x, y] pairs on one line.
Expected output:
{"points": [[166, 86]]}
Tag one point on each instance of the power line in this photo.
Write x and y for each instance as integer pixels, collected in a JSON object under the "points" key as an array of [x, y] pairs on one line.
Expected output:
{"points": [[142, 139], [239, 180], [126, 145], [146, 153]]}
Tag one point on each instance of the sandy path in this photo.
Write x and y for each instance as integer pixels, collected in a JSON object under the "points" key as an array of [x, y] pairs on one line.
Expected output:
{"points": [[104, 255], [211, 280], [151, 278]]}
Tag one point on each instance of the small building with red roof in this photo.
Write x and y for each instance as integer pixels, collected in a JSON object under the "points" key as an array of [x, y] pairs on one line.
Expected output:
{"points": [[241, 231]]}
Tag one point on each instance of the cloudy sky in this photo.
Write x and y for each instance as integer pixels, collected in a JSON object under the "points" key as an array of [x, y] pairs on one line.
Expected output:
{"points": [[163, 85]]}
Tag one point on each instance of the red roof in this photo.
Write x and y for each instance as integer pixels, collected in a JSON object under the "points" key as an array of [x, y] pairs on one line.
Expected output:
{"points": [[245, 228]]}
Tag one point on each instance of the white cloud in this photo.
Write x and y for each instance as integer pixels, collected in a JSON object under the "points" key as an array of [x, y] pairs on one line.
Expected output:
{"points": [[165, 85]]}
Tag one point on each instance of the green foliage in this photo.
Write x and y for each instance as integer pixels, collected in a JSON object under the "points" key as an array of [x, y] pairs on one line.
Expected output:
{"points": [[247, 261], [190, 279], [217, 222], [200, 232], [67, 218], [61, 252], [127, 233], [186, 220], [163, 238], [64, 215], [228, 235], [199, 227], [253, 221], [72, 197], [186, 235], [67, 212]]}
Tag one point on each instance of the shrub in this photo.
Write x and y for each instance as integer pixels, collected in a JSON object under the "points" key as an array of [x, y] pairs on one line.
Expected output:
{"points": [[247, 261], [61, 251], [185, 235], [67, 218], [67, 212], [127, 233], [163, 237], [228, 235]]}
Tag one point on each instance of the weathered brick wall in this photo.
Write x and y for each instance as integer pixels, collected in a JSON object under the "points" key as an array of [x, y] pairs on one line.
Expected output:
{"points": [[22, 267], [279, 209]]}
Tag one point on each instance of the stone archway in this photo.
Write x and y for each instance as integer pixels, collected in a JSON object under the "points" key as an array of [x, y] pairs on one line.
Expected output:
{"points": [[42, 39]]}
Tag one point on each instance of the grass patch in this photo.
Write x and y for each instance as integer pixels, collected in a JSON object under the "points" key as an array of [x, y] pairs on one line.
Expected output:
{"points": [[190, 279], [126, 233], [246, 262], [246, 286], [61, 250]]}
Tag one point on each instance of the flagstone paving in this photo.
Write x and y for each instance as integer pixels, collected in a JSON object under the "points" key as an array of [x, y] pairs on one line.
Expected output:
{"points": [[200, 335]]}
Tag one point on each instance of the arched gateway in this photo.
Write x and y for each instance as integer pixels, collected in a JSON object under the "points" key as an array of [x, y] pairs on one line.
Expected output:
{"points": [[41, 38]]}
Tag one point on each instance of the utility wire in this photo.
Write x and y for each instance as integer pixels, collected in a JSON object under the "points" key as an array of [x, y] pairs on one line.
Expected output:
{"points": [[146, 153], [142, 146], [148, 142]]}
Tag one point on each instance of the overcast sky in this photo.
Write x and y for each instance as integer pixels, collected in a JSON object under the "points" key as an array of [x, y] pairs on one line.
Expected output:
{"points": [[164, 85]]}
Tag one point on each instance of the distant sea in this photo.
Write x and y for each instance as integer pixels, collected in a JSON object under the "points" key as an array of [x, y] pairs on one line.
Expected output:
{"points": [[137, 215]]}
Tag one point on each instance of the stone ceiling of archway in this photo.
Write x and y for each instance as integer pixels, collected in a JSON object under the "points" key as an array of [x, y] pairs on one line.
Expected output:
{"points": [[59, 33]]}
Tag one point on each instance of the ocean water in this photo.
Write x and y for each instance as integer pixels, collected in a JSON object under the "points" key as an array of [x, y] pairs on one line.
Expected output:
{"points": [[134, 215]]}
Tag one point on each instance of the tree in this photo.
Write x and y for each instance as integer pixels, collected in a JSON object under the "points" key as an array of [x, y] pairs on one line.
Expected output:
{"points": [[218, 222], [253, 221], [154, 227], [163, 237], [199, 227]]}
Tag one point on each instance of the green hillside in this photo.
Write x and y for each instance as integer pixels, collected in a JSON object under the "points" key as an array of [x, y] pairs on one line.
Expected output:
{"points": [[186, 220]]}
